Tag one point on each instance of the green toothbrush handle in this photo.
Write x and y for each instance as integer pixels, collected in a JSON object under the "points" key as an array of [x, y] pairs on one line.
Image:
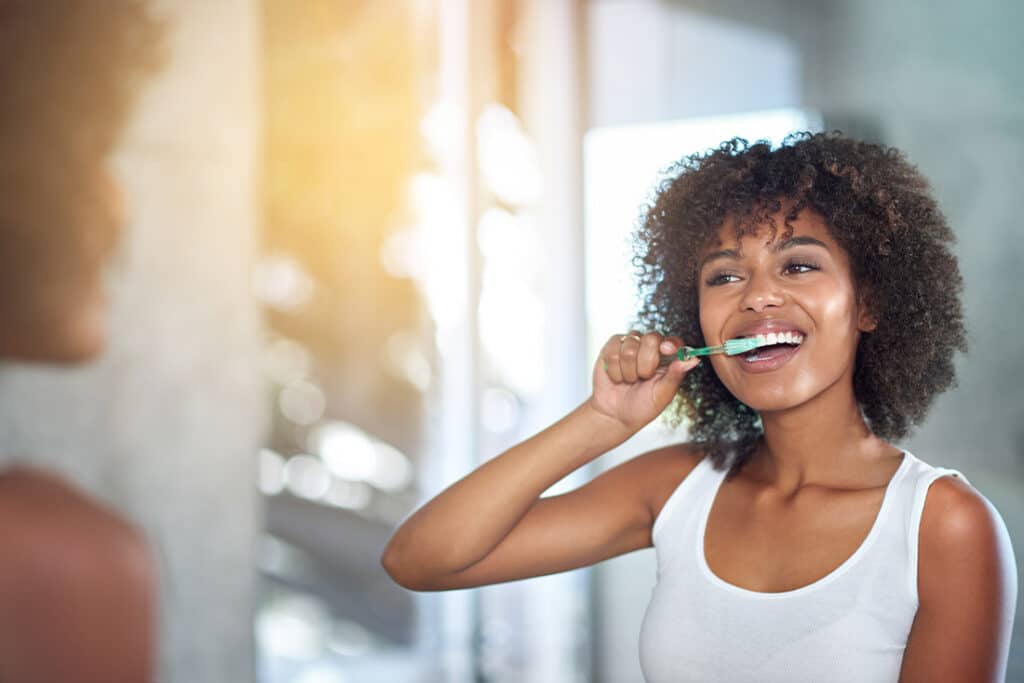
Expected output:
{"points": [[688, 352], [731, 347]]}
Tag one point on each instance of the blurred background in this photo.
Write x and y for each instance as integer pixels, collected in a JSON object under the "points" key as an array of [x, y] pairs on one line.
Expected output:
{"points": [[374, 243]]}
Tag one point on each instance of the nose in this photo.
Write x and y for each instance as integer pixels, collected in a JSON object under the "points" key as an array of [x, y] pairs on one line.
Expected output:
{"points": [[761, 291]]}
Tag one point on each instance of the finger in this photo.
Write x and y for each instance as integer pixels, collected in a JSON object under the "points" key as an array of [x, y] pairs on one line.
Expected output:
{"points": [[648, 355], [668, 385], [670, 345], [629, 347], [668, 349], [610, 359]]}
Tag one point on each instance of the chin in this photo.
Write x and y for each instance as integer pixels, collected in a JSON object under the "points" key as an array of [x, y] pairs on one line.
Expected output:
{"points": [[57, 351], [71, 340], [767, 398], [776, 397], [80, 349], [769, 405], [83, 339]]}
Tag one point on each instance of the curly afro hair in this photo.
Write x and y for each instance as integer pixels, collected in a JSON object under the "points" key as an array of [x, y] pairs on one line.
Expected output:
{"points": [[876, 205], [70, 70]]}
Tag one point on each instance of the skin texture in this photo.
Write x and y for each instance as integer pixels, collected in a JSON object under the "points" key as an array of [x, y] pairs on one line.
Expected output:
{"points": [[803, 503]]}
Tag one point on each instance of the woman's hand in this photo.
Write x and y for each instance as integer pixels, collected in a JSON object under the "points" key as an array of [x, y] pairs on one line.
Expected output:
{"points": [[495, 525], [629, 386]]}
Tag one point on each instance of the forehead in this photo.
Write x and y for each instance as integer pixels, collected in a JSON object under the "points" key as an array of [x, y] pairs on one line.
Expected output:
{"points": [[733, 234]]}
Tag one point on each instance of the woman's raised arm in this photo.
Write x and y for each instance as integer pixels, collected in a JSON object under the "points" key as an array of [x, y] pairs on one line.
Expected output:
{"points": [[493, 526]]}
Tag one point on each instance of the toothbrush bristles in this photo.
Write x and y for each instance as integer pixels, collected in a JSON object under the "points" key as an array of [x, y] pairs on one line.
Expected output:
{"points": [[737, 346]]}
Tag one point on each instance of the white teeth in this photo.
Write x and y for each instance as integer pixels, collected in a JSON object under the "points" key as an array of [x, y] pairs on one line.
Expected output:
{"points": [[771, 338]]}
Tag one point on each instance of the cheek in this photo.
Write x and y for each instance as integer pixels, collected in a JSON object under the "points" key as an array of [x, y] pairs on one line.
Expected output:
{"points": [[54, 303], [711, 320], [837, 317]]}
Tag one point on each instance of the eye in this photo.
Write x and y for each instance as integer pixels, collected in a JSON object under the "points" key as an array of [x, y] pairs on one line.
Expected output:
{"points": [[799, 267], [719, 279]]}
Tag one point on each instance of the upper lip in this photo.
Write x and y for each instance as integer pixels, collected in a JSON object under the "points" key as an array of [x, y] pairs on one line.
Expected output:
{"points": [[767, 326]]}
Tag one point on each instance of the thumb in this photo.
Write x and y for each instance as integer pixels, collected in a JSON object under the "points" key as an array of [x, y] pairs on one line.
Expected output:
{"points": [[668, 384]]}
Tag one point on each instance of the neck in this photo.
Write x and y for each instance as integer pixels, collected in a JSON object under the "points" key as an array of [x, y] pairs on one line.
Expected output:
{"points": [[822, 442]]}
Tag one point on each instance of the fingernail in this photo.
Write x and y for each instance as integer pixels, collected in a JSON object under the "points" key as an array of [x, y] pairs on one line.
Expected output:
{"points": [[666, 347]]}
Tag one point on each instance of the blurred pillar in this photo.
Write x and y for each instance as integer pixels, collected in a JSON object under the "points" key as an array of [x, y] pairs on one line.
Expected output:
{"points": [[452, 618], [558, 617], [166, 426], [521, 55]]}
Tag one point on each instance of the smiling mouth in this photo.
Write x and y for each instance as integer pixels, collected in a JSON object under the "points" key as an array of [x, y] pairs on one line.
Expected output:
{"points": [[776, 351]]}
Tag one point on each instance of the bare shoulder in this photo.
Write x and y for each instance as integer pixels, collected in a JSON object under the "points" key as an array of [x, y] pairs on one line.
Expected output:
{"points": [[30, 493], [966, 576], [956, 514], [77, 584], [40, 512], [963, 547]]}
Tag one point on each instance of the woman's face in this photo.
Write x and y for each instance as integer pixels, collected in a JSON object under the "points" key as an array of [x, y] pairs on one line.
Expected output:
{"points": [[800, 287], [57, 230]]}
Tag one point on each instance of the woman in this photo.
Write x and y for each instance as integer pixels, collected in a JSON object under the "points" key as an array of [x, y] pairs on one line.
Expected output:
{"points": [[78, 583], [794, 541]]}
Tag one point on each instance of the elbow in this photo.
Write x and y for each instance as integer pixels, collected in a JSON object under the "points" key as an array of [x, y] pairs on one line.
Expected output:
{"points": [[392, 563], [391, 566], [402, 571]]}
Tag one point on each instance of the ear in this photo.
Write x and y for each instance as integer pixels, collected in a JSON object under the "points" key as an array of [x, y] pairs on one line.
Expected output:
{"points": [[867, 321]]}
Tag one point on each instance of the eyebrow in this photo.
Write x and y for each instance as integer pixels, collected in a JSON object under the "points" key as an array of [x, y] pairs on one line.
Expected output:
{"points": [[784, 244]]}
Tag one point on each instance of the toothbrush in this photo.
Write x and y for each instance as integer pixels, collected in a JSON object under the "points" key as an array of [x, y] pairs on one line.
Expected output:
{"points": [[731, 347]]}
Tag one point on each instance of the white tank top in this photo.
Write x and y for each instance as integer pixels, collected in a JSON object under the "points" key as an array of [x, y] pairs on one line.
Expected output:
{"points": [[851, 625]]}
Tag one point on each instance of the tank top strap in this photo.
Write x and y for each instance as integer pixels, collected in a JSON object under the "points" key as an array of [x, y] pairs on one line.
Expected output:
{"points": [[684, 490], [675, 532], [922, 476]]}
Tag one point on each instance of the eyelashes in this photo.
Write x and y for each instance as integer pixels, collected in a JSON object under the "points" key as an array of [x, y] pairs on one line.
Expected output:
{"points": [[792, 267], [802, 264], [717, 279]]}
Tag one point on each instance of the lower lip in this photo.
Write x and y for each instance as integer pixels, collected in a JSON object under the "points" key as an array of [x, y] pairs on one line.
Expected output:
{"points": [[768, 364]]}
